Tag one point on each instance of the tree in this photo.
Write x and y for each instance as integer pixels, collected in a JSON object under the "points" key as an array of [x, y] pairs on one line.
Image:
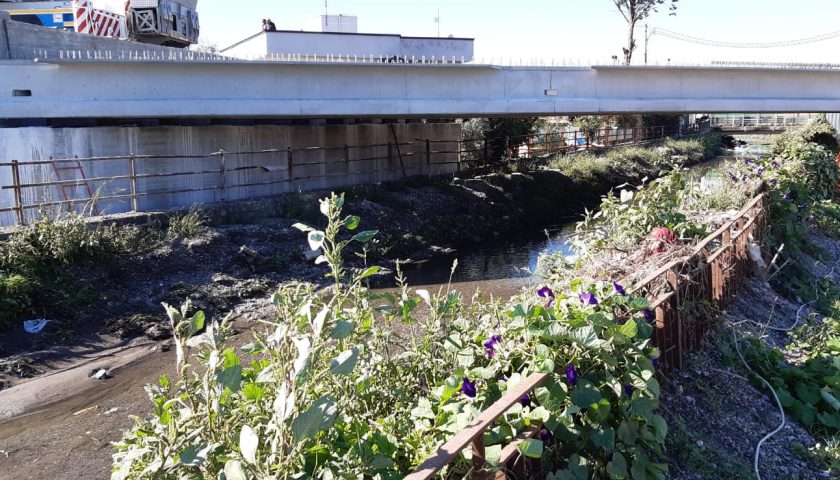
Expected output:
{"points": [[635, 11]]}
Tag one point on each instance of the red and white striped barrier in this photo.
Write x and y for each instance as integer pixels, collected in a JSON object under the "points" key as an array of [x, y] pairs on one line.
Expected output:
{"points": [[81, 14], [100, 23]]}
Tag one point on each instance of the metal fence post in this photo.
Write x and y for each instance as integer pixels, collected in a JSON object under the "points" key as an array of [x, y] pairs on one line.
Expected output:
{"points": [[16, 189], [132, 173], [222, 175], [289, 173]]}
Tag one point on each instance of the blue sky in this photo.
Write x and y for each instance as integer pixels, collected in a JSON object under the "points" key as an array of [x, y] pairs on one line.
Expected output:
{"points": [[586, 30]]}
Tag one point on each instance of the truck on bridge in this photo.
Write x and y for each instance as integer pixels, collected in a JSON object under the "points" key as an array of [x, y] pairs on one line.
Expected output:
{"points": [[172, 23]]}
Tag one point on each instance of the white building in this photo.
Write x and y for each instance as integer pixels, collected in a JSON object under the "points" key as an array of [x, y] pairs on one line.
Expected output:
{"points": [[336, 35]]}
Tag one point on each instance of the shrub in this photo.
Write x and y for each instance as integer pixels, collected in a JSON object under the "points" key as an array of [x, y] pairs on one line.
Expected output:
{"points": [[15, 297], [50, 243], [187, 225]]}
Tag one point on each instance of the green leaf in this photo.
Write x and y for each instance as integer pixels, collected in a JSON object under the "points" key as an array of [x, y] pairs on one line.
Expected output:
{"points": [[628, 329], [234, 471], [366, 236], [423, 409], [531, 448], [342, 330], [252, 391], [248, 443], [628, 432], [603, 438], [585, 336], [316, 239], [196, 323], [466, 358], [320, 416], [617, 468], [585, 394], [194, 455], [345, 362], [808, 393], [352, 222], [639, 468], [231, 378], [661, 427], [369, 272]]}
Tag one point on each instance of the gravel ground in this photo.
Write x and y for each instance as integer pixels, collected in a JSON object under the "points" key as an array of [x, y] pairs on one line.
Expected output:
{"points": [[717, 417]]}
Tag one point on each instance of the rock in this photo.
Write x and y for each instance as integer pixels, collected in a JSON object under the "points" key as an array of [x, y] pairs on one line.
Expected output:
{"points": [[248, 257]]}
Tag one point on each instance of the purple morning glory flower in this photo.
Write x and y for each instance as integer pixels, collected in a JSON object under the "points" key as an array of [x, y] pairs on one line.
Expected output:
{"points": [[628, 390], [502, 377], [655, 362], [776, 165], [525, 400], [423, 386], [745, 177], [648, 315], [773, 182], [619, 289], [588, 299], [546, 292], [747, 161], [571, 375], [468, 387], [733, 177], [490, 345], [545, 434], [786, 197], [760, 171]]}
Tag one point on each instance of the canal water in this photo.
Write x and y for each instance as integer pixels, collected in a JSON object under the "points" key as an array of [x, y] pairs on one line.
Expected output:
{"points": [[503, 266]]}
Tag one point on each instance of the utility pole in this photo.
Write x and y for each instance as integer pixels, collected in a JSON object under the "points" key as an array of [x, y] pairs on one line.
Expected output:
{"points": [[647, 37], [437, 20]]}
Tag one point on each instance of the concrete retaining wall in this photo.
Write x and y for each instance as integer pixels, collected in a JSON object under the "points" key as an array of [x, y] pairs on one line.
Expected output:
{"points": [[354, 154]]}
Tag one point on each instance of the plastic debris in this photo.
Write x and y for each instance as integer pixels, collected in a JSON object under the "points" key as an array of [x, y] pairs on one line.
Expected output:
{"points": [[112, 410], [35, 326], [99, 374], [86, 410]]}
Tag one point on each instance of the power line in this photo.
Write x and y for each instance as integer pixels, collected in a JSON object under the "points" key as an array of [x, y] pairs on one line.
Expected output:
{"points": [[716, 43]]}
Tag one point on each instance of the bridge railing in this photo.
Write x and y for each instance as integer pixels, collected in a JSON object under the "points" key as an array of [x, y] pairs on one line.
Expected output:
{"points": [[713, 271], [132, 182]]}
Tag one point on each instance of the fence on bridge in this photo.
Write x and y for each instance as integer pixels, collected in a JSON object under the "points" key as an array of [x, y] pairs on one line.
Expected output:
{"points": [[744, 122], [713, 272], [136, 183]]}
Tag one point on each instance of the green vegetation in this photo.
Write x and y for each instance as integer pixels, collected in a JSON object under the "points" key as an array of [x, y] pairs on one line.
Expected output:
{"points": [[352, 384], [632, 163], [34, 261], [187, 225]]}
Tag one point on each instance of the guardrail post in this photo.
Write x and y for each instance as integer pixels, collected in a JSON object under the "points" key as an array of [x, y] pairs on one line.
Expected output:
{"points": [[478, 453], [132, 173], [222, 174], [16, 189]]}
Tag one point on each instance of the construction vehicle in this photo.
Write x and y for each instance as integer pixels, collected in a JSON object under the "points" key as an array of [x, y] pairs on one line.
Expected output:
{"points": [[172, 23]]}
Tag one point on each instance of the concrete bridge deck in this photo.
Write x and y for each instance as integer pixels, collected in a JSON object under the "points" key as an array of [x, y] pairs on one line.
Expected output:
{"points": [[137, 87]]}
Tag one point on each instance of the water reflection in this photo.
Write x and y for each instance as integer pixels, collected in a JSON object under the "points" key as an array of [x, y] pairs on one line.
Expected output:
{"points": [[513, 257]]}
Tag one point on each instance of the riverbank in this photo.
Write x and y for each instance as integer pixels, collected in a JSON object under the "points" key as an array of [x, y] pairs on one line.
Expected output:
{"points": [[101, 299]]}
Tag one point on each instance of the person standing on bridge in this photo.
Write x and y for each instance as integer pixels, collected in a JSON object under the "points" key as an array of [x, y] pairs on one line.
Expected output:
{"points": [[270, 26]]}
